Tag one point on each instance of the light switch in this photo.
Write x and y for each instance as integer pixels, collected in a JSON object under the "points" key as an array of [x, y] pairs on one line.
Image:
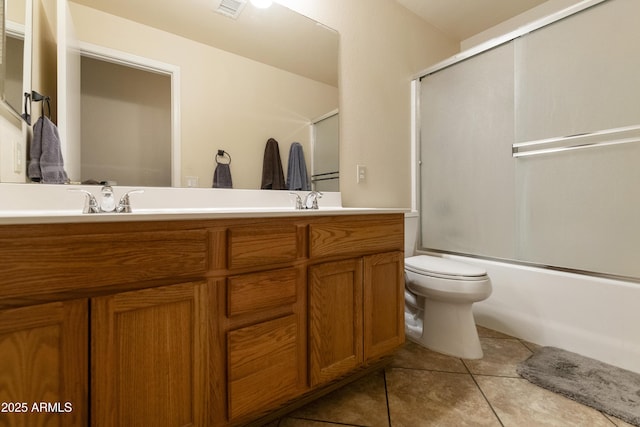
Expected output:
{"points": [[361, 173], [17, 157]]}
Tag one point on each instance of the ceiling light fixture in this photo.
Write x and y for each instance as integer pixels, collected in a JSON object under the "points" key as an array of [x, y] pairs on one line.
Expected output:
{"points": [[262, 4]]}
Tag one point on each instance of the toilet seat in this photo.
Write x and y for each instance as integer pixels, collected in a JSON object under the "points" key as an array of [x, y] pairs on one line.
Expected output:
{"points": [[444, 268]]}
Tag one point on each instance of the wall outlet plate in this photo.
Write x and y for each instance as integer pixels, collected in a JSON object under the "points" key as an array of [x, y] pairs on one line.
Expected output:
{"points": [[361, 171], [17, 157], [192, 181]]}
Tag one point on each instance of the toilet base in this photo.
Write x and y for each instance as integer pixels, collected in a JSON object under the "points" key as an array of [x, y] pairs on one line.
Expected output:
{"points": [[448, 328]]}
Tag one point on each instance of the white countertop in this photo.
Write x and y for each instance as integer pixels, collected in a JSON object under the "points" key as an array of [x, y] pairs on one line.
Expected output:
{"points": [[44, 217], [46, 204]]}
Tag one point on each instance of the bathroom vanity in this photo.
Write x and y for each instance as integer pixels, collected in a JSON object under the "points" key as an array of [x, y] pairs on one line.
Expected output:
{"points": [[206, 320]]}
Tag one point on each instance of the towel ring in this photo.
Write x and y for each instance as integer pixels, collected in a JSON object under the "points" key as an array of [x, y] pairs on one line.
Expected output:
{"points": [[36, 97], [222, 154]]}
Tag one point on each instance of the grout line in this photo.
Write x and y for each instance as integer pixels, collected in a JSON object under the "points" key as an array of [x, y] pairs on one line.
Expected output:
{"points": [[486, 399], [325, 422], [386, 395], [466, 366], [430, 370]]}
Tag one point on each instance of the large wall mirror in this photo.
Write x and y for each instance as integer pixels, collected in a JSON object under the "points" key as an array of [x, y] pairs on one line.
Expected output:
{"points": [[159, 87]]}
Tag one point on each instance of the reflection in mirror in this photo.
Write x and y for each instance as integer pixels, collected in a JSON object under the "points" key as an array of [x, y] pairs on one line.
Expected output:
{"points": [[326, 153], [266, 74], [133, 146], [15, 79], [17, 51], [13, 69]]}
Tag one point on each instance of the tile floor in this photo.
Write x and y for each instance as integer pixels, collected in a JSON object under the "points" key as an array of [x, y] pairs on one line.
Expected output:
{"points": [[424, 388]]}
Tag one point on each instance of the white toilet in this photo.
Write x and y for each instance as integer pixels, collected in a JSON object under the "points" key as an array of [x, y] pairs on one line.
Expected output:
{"points": [[439, 293]]}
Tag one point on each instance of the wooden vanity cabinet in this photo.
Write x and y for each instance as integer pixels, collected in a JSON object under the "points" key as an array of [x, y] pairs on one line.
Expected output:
{"points": [[211, 322]]}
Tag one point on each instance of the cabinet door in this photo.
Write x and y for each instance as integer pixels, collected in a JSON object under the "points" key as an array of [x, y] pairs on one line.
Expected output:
{"points": [[150, 357], [335, 319], [383, 303], [44, 362]]}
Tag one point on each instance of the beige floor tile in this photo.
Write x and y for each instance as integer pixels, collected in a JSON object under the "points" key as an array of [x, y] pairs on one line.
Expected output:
{"points": [[414, 356], [427, 398], [501, 357], [361, 403], [425, 388], [520, 403]]}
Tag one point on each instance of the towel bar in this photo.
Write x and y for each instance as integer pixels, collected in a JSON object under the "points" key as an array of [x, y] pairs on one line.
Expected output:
{"points": [[623, 135]]}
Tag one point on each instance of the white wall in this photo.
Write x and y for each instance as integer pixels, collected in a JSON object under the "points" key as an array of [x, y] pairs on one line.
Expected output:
{"points": [[13, 149], [545, 9]]}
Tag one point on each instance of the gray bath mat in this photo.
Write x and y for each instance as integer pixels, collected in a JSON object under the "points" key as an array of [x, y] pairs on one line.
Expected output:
{"points": [[607, 388]]}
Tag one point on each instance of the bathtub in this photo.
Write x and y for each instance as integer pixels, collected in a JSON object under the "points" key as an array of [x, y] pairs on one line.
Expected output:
{"points": [[592, 316]]}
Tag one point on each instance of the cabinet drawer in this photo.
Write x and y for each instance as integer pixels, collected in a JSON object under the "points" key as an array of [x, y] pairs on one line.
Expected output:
{"points": [[365, 235], [260, 291], [263, 245], [263, 365], [66, 262]]}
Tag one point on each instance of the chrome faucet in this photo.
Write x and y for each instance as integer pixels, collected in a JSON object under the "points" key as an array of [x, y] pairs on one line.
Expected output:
{"points": [[298, 200], [108, 202], [124, 206], [91, 204], [311, 200]]}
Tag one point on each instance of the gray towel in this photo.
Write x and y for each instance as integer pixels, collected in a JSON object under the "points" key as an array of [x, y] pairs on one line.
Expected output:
{"points": [[222, 176], [272, 175], [297, 178], [46, 164]]}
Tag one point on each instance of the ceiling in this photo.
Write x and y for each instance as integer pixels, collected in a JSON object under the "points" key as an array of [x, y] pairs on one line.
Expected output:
{"points": [[195, 19], [276, 36], [461, 19]]}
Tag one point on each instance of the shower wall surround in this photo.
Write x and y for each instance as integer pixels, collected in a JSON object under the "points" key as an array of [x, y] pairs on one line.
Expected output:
{"points": [[529, 150]]}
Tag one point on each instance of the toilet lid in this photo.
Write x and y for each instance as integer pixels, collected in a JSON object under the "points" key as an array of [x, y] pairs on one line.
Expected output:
{"points": [[442, 267]]}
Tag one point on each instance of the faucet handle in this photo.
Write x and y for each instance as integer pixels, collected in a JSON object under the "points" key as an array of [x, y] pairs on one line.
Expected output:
{"points": [[91, 204], [311, 200], [298, 200], [124, 206]]}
